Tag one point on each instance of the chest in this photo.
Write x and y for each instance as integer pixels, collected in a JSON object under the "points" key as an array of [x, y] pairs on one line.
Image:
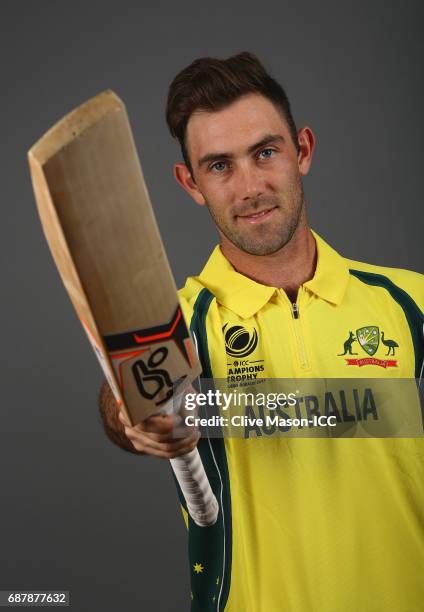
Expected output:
{"points": [[314, 338]]}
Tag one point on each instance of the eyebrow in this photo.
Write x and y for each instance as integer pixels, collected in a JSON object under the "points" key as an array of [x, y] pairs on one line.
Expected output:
{"points": [[267, 139]]}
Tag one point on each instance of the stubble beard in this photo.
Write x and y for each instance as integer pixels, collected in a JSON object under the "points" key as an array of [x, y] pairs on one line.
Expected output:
{"points": [[268, 238]]}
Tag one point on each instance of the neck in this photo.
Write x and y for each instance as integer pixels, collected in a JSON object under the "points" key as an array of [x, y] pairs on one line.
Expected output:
{"points": [[288, 268]]}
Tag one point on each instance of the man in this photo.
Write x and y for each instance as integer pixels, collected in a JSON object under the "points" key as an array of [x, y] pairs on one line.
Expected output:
{"points": [[325, 525]]}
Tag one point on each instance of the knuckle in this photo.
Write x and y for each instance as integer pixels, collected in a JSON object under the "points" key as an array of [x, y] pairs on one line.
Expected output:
{"points": [[138, 445], [167, 428], [129, 432]]}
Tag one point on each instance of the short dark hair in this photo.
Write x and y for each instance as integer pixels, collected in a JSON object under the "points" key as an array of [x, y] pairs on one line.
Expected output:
{"points": [[212, 84]]}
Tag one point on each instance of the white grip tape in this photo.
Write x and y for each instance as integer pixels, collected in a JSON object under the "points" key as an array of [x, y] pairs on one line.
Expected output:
{"points": [[201, 502]]}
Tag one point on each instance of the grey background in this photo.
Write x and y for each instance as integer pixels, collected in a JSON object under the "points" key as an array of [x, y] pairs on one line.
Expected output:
{"points": [[76, 513]]}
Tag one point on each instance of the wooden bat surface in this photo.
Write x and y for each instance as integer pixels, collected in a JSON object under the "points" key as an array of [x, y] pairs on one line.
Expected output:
{"points": [[99, 224], [98, 221]]}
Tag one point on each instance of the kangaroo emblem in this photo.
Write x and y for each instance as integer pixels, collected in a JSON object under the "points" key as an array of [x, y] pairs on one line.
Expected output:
{"points": [[348, 345]]}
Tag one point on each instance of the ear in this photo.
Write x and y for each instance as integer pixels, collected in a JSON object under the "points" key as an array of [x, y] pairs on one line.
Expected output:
{"points": [[184, 177], [306, 141]]}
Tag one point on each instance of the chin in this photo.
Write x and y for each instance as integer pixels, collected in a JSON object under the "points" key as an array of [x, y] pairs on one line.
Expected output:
{"points": [[261, 249]]}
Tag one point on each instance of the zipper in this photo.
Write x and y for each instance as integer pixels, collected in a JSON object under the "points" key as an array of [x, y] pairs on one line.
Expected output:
{"points": [[303, 359], [297, 328]]}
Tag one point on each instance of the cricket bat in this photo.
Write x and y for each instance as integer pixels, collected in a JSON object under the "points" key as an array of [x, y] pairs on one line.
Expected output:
{"points": [[99, 223]]}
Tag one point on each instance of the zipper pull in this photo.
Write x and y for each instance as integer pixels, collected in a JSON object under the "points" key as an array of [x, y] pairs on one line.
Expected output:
{"points": [[295, 311]]}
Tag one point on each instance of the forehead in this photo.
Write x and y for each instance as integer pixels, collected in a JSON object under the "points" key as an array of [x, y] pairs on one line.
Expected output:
{"points": [[235, 127]]}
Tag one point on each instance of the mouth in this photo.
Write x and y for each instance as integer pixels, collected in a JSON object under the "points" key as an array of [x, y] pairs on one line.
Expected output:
{"points": [[258, 217]]}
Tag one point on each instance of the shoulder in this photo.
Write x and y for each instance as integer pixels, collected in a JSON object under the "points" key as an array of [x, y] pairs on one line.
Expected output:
{"points": [[408, 281], [188, 295]]}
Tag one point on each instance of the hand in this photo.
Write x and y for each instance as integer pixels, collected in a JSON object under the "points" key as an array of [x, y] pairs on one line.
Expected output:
{"points": [[154, 436]]}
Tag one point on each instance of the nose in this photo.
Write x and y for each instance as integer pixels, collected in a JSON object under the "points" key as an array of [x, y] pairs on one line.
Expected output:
{"points": [[250, 182]]}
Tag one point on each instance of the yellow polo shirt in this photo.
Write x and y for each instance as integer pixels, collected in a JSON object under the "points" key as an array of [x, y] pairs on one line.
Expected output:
{"points": [[310, 525]]}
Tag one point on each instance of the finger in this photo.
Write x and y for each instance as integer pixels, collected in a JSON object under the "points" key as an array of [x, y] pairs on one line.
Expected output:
{"points": [[159, 424], [178, 432], [171, 454], [152, 424], [135, 434], [175, 434], [149, 440], [149, 445]]}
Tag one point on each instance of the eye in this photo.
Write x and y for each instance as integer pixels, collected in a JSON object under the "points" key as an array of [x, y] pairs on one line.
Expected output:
{"points": [[266, 153], [218, 167]]}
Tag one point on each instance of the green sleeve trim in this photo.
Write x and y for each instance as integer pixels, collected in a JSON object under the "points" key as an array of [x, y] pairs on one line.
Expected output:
{"points": [[209, 547], [198, 327], [413, 314], [200, 310]]}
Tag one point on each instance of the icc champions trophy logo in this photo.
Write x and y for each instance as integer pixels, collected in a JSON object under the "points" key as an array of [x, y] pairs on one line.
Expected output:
{"points": [[239, 342]]}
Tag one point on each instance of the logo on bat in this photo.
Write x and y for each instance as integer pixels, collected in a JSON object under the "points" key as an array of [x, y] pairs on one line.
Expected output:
{"points": [[151, 379]]}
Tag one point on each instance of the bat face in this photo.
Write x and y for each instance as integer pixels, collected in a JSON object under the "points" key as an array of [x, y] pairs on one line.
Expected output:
{"points": [[149, 362], [99, 223]]}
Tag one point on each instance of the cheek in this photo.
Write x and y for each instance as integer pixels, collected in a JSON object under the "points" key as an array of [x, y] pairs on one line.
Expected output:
{"points": [[218, 193], [286, 174]]}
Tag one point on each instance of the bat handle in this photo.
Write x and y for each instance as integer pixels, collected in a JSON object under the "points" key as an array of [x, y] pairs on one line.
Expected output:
{"points": [[201, 501]]}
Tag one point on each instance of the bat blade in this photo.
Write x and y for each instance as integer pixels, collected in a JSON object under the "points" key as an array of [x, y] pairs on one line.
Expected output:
{"points": [[99, 224], [98, 220]]}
